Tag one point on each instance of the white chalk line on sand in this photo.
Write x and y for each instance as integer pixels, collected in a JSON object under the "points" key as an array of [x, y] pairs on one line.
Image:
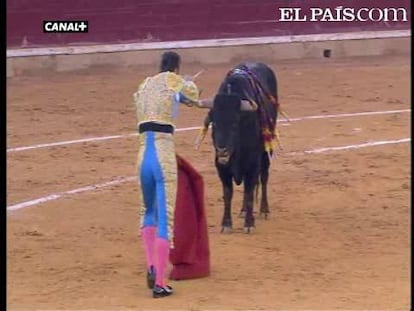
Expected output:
{"points": [[59, 195], [102, 138], [348, 147]]}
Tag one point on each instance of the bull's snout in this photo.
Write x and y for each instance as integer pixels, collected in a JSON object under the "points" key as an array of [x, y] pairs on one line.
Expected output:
{"points": [[222, 155], [221, 151]]}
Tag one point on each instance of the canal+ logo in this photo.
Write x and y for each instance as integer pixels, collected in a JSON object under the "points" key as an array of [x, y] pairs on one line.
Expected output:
{"points": [[65, 26]]}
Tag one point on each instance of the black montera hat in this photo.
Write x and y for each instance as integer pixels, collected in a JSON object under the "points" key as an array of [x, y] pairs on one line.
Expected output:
{"points": [[170, 61]]}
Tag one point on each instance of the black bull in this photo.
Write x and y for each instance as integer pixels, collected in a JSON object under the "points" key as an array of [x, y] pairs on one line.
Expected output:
{"points": [[237, 137]]}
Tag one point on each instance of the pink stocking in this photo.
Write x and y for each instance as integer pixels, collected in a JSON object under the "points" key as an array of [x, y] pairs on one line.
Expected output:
{"points": [[148, 238], [162, 247]]}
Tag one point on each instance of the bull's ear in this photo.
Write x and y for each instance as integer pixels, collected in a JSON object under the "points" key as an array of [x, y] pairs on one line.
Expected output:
{"points": [[247, 105]]}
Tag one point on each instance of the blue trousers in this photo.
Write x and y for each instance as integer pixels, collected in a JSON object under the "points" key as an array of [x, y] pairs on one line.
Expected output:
{"points": [[157, 177]]}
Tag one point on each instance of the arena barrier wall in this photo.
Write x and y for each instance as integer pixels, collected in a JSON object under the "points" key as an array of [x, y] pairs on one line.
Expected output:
{"points": [[127, 21], [133, 33]]}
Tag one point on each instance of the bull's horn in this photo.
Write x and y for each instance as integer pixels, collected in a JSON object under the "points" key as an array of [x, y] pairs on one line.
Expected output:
{"points": [[206, 103], [248, 106]]}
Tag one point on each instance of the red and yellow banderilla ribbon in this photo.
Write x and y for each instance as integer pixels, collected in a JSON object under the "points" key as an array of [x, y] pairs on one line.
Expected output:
{"points": [[200, 137]]}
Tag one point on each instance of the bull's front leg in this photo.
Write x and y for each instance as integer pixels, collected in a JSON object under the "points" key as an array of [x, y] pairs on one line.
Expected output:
{"points": [[264, 177], [243, 209], [226, 223], [248, 197], [264, 204]]}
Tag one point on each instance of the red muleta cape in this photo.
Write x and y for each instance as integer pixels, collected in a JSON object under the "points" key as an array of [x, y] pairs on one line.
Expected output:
{"points": [[191, 254]]}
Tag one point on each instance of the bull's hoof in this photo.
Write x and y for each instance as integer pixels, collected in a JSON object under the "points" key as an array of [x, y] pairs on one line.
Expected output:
{"points": [[242, 214], [248, 230], [226, 229], [264, 215]]}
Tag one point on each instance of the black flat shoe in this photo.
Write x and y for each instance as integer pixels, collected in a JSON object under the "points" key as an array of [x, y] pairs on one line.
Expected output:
{"points": [[159, 291], [151, 277]]}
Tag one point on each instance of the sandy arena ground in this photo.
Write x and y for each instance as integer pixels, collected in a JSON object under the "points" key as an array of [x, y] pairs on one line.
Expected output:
{"points": [[338, 235]]}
